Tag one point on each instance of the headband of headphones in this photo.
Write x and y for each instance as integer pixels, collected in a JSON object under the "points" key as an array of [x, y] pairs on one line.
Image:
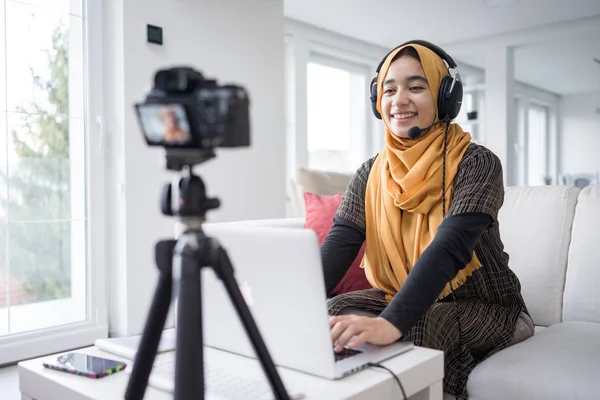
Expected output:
{"points": [[451, 90], [436, 49]]}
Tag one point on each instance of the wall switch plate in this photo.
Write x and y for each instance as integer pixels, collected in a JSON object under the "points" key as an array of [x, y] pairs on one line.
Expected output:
{"points": [[154, 34]]}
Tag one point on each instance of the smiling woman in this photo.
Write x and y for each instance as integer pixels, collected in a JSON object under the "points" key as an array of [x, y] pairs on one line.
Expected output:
{"points": [[426, 209]]}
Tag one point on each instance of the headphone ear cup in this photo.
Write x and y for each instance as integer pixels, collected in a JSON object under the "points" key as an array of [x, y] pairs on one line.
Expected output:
{"points": [[373, 97], [449, 103], [457, 98]]}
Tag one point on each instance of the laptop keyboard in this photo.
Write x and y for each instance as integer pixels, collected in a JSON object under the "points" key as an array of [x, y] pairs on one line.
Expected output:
{"points": [[345, 353]]}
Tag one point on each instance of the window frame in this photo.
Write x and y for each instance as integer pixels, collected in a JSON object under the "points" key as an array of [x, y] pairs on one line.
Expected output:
{"points": [[525, 97], [17, 347], [367, 141], [545, 110], [301, 41], [478, 93]]}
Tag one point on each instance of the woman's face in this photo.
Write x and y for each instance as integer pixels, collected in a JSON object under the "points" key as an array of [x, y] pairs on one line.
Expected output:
{"points": [[169, 119], [406, 100]]}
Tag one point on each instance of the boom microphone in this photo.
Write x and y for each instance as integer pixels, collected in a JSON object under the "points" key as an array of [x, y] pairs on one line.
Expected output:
{"points": [[414, 131]]}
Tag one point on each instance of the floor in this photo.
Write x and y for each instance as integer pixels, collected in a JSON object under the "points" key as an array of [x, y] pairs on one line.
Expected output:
{"points": [[9, 383]]}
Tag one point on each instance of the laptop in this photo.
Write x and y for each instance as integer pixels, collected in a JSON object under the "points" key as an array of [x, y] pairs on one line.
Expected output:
{"points": [[279, 272]]}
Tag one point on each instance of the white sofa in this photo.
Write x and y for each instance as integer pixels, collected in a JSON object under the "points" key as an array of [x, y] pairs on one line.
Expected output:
{"points": [[552, 235]]}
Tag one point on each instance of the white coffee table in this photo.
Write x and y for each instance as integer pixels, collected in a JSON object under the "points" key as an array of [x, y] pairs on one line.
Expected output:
{"points": [[420, 371]]}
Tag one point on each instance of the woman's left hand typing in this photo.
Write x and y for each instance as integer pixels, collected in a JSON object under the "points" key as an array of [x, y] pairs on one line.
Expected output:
{"points": [[354, 330]]}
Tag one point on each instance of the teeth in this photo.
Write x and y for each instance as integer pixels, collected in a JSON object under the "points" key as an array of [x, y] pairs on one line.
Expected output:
{"points": [[402, 116]]}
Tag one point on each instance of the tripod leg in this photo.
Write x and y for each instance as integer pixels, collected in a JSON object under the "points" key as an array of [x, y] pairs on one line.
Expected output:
{"points": [[224, 270], [189, 355], [155, 322]]}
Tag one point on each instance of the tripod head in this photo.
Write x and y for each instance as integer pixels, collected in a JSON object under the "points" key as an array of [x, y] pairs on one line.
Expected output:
{"points": [[190, 202]]}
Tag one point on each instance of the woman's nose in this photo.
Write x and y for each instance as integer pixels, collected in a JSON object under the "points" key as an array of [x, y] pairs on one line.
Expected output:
{"points": [[400, 98]]}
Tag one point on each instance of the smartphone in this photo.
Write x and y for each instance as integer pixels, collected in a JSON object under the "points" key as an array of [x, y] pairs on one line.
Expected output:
{"points": [[85, 365]]}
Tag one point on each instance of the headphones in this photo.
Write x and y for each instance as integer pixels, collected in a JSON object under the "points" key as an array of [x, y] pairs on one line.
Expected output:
{"points": [[451, 90]]}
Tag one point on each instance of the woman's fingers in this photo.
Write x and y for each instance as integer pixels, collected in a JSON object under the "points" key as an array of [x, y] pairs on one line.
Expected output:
{"points": [[344, 329], [354, 330], [335, 319], [359, 339], [339, 328], [347, 334]]}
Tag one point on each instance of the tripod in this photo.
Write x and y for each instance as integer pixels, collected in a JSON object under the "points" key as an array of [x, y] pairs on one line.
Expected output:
{"points": [[180, 263]]}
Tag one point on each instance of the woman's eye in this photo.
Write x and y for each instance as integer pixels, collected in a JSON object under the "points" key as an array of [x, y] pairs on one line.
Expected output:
{"points": [[417, 88]]}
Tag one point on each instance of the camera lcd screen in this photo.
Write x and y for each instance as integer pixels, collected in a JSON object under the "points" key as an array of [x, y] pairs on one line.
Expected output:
{"points": [[165, 124]]}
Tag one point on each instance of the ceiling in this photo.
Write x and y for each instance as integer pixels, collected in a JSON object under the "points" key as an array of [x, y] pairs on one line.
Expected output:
{"points": [[558, 67]]}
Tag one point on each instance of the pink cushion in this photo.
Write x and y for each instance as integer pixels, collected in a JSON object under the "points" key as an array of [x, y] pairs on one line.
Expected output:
{"points": [[320, 211]]}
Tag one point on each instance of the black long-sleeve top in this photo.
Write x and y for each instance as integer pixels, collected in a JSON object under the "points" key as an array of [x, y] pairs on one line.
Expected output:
{"points": [[450, 251]]}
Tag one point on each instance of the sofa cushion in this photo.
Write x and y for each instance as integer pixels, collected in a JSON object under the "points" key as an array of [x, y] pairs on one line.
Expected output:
{"points": [[582, 294], [320, 211], [561, 362], [535, 224], [317, 182]]}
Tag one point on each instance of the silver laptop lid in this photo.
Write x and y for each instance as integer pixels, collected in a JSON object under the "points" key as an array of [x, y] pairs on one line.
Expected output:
{"points": [[280, 274]]}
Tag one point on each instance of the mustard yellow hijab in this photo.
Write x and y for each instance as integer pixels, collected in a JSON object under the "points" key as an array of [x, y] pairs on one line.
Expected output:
{"points": [[404, 197]]}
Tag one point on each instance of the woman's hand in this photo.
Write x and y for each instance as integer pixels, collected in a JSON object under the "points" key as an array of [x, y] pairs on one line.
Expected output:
{"points": [[353, 330]]}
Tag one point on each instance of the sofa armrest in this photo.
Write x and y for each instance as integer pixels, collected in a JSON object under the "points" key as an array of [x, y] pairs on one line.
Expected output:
{"points": [[289, 222]]}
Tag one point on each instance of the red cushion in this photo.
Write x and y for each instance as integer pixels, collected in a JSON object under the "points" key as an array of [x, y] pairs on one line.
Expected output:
{"points": [[320, 211]]}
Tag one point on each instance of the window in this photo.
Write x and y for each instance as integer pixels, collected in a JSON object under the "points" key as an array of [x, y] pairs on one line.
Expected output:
{"points": [[537, 145], [44, 169], [533, 145], [521, 145], [337, 125], [471, 116], [329, 122]]}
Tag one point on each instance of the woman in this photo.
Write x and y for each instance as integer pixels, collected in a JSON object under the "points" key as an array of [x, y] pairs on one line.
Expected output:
{"points": [[173, 133], [434, 257]]}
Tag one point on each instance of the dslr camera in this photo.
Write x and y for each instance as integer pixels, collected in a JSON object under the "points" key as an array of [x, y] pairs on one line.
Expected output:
{"points": [[189, 116]]}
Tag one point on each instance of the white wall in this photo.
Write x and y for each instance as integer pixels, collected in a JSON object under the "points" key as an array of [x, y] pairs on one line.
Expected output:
{"points": [[239, 42], [579, 133]]}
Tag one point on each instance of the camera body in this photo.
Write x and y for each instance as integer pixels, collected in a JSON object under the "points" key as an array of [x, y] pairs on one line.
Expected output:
{"points": [[190, 115]]}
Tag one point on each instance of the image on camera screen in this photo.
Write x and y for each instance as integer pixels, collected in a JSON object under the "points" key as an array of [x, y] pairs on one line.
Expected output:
{"points": [[165, 123]]}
